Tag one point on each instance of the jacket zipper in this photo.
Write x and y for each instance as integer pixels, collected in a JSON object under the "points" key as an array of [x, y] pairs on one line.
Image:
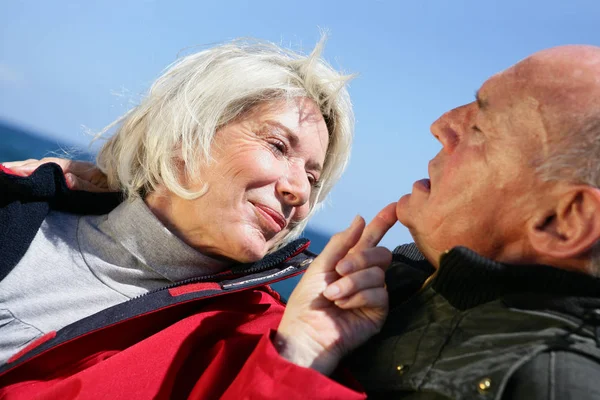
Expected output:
{"points": [[226, 274]]}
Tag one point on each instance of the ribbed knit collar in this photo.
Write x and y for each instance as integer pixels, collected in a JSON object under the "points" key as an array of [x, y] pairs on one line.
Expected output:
{"points": [[467, 279], [137, 229]]}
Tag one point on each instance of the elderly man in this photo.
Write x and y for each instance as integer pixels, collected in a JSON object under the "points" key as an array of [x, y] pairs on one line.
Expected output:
{"points": [[510, 222]]}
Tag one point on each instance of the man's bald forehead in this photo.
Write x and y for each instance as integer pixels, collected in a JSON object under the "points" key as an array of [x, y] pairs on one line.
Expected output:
{"points": [[583, 54], [571, 65], [563, 78]]}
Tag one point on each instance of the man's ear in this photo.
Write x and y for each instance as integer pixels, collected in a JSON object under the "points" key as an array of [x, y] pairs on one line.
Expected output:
{"points": [[570, 227]]}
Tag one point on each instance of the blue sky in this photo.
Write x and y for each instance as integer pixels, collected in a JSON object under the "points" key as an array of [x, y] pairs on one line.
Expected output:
{"points": [[69, 64]]}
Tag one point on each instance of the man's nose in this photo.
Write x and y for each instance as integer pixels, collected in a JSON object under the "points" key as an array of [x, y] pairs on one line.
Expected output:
{"points": [[449, 128]]}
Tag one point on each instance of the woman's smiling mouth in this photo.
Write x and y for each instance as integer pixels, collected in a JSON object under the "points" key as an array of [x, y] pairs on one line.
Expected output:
{"points": [[275, 221]]}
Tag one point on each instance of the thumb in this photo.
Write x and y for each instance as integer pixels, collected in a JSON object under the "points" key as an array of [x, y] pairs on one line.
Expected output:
{"points": [[339, 245]]}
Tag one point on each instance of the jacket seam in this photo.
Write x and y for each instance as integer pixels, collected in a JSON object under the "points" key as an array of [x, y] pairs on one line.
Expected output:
{"points": [[40, 332], [455, 323]]}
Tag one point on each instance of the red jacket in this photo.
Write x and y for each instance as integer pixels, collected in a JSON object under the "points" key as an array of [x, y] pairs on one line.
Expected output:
{"points": [[205, 338]]}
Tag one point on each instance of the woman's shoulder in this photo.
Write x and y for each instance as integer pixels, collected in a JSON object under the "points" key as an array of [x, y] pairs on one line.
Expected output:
{"points": [[60, 226]]}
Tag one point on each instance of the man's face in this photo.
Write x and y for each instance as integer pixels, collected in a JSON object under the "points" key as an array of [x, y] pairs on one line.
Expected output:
{"points": [[483, 188]]}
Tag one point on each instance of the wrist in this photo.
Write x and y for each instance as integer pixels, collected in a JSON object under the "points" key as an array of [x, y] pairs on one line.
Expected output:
{"points": [[301, 353]]}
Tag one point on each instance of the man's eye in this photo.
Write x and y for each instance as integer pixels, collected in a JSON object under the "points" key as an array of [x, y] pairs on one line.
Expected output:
{"points": [[476, 128]]}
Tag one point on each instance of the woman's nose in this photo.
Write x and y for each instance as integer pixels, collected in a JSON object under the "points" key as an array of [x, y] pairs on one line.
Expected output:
{"points": [[295, 188]]}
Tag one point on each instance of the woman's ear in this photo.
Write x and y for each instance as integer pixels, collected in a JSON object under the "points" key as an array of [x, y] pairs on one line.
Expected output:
{"points": [[569, 228]]}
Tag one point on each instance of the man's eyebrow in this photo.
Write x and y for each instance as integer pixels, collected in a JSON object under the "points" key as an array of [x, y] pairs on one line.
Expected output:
{"points": [[294, 140], [481, 103]]}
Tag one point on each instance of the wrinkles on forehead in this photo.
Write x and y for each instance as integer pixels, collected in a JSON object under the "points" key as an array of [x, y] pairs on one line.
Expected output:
{"points": [[515, 114], [566, 77], [562, 85]]}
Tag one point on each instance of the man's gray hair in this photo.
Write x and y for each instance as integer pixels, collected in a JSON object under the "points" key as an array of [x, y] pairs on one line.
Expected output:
{"points": [[201, 93], [574, 158]]}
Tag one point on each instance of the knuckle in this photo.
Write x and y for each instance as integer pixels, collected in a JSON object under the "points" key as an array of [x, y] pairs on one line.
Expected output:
{"points": [[387, 260], [360, 254], [338, 237], [383, 254], [373, 277], [347, 285], [383, 297], [383, 251], [360, 260], [378, 297], [64, 163], [368, 297], [71, 180], [377, 274], [370, 239]]}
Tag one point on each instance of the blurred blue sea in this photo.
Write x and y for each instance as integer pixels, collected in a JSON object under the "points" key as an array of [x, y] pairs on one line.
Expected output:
{"points": [[19, 144]]}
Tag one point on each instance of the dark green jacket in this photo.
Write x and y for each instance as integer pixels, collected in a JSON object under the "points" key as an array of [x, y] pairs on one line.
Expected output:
{"points": [[484, 330]]}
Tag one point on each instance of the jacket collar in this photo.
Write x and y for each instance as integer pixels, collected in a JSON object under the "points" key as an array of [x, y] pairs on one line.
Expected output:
{"points": [[467, 279]]}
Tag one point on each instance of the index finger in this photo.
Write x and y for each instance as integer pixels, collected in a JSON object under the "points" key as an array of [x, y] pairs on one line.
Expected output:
{"points": [[337, 247], [377, 228]]}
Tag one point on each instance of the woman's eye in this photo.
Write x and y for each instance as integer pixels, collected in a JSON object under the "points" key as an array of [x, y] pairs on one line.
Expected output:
{"points": [[278, 146], [314, 182]]}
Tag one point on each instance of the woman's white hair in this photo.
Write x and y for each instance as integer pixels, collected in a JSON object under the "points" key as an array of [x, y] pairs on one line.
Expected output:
{"points": [[201, 93]]}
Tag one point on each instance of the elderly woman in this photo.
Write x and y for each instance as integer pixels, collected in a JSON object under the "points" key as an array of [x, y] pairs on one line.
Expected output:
{"points": [[221, 164]]}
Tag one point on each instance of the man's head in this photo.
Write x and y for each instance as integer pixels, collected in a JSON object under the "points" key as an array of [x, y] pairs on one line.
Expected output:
{"points": [[518, 175]]}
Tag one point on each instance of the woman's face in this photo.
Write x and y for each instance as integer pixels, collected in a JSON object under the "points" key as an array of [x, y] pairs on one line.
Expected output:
{"points": [[265, 166]]}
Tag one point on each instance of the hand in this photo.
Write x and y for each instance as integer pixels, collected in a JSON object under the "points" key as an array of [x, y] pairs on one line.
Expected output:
{"points": [[341, 301], [79, 175]]}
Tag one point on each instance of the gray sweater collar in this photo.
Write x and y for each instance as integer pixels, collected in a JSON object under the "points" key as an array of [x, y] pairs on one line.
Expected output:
{"points": [[137, 229]]}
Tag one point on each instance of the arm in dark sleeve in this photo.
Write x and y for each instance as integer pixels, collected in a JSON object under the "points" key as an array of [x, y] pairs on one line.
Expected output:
{"points": [[555, 375], [25, 202]]}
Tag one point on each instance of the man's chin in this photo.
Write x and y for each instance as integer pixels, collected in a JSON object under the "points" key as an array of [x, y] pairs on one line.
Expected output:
{"points": [[403, 212]]}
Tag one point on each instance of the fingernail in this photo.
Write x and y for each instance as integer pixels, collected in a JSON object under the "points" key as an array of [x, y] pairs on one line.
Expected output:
{"points": [[343, 267], [70, 181], [355, 221], [340, 302], [331, 292]]}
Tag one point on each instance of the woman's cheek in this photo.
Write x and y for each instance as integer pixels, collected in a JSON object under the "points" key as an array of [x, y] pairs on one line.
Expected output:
{"points": [[301, 213]]}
